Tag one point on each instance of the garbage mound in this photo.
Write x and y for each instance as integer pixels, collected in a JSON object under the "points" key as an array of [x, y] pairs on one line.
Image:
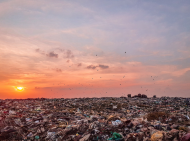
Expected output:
{"points": [[95, 119]]}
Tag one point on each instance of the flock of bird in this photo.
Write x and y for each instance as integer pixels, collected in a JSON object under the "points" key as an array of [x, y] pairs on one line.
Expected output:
{"points": [[87, 88]]}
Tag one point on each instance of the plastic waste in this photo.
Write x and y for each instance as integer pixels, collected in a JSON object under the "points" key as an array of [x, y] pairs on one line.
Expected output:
{"points": [[115, 136]]}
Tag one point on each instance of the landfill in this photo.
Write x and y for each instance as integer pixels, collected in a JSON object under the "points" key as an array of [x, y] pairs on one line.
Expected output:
{"points": [[136, 118]]}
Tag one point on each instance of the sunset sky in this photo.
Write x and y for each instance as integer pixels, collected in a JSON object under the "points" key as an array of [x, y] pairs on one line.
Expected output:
{"points": [[84, 48]]}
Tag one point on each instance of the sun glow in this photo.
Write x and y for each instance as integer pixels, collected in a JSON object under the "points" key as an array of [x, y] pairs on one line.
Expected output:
{"points": [[19, 88]]}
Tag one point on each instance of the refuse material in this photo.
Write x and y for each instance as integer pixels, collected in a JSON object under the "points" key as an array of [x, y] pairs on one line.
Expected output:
{"points": [[115, 136], [95, 119], [157, 136], [186, 137]]}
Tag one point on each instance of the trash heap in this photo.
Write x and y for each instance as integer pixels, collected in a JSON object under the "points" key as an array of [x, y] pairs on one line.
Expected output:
{"points": [[95, 119]]}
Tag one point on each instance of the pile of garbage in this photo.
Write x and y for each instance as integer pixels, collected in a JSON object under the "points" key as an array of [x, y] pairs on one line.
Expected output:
{"points": [[95, 119]]}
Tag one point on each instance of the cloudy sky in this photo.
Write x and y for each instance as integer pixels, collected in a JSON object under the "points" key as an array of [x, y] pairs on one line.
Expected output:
{"points": [[94, 48]]}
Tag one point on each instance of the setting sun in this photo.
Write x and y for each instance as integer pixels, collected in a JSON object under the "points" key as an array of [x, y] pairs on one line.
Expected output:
{"points": [[19, 88]]}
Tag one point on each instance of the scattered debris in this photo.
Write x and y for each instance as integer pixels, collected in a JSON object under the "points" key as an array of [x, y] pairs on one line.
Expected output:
{"points": [[96, 119]]}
